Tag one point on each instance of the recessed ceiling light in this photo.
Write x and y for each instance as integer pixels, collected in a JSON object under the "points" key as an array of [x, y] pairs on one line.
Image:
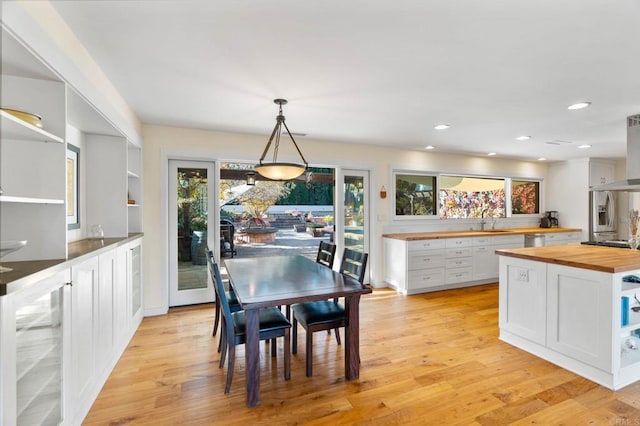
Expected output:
{"points": [[429, 147], [579, 105], [491, 153], [441, 126], [584, 146], [542, 159], [523, 138]]}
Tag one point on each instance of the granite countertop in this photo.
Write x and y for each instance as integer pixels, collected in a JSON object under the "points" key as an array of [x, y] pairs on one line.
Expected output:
{"points": [[596, 258], [23, 271], [411, 236]]}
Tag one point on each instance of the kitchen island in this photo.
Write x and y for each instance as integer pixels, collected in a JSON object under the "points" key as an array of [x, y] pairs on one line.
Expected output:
{"points": [[574, 306]]}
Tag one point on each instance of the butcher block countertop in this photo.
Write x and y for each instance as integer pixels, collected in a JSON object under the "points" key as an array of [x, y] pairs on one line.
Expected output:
{"points": [[411, 236], [596, 258]]}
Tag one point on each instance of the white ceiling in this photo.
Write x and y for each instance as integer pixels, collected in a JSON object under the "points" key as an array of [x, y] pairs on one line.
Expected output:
{"points": [[379, 71]]}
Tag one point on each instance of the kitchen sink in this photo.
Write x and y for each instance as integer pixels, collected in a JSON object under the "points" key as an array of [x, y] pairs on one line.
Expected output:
{"points": [[496, 230]]}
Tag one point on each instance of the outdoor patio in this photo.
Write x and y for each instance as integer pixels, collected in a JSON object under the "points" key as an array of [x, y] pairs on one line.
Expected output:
{"points": [[287, 241]]}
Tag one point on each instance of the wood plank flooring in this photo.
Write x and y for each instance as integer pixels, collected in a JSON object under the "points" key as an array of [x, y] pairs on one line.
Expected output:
{"points": [[426, 359]]}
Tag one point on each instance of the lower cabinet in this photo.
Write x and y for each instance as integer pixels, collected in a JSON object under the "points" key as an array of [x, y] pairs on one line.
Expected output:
{"points": [[62, 334], [420, 266], [32, 330], [571, 317]]}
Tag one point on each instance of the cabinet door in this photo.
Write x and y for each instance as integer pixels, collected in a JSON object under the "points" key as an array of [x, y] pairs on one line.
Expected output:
{"points": [[104, 311], [134, 270], [579, 322], [600, 173], [83, 324], [523, 298], [485, 263], [31, 323]]}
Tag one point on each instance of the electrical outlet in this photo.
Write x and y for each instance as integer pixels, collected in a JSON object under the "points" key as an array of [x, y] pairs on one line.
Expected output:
{"points": [[523, 275]]}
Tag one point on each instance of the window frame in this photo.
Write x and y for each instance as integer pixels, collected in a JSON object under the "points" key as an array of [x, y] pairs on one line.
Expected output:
{"points": [[394, 190]]}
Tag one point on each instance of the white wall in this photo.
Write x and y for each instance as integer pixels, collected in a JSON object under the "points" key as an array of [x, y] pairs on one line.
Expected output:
{"points": [[161, 141]]}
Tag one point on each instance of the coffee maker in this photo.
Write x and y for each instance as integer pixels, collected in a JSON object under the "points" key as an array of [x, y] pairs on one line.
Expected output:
{"points": [[550, 220]]}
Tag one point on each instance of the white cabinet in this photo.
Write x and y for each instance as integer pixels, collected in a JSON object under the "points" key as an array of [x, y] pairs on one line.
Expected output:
{"points": [[435, 264], [573, 318], [83, 319], [59, 343], [485, 259], [601, 172], [523, 299], [561, 238], [31, 347], [579, 317]]}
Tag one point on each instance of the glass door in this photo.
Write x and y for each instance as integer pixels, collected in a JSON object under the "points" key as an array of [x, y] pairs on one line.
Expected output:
{"points": [[356, 210], [191, 198]]}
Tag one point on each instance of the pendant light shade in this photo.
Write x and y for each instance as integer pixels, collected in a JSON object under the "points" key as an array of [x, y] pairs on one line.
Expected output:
{"points": [[274, 170]]}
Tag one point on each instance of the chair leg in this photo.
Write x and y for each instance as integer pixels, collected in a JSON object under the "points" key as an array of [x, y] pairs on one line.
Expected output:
{"points": [[287, 354], [217, 320], [274, 348], [288, 312], [309, 353], [337, 332], [222, 335], [232, 358], [294, 348], [224, 349]]}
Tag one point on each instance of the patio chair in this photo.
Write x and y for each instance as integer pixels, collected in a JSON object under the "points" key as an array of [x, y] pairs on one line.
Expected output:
{"points": [[273, 324], [326, 314]]}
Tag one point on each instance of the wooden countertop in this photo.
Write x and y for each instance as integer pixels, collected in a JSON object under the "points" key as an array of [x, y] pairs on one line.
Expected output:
{"points": [[596, 258], [411, 236], [25, 270]]}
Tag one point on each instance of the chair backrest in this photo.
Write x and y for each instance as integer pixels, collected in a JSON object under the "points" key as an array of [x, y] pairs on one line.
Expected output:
{"points": [[354, 264], [326, 254], [222, 295], [211, 261]]}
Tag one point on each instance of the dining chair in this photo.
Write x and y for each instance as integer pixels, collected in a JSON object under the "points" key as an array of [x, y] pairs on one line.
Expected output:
{"points": [[325, 256], [326, 314], [234, 305], [272, 324]]}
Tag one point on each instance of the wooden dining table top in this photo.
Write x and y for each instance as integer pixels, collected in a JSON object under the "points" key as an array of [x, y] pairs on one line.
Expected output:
{"points": [[279, 280]]}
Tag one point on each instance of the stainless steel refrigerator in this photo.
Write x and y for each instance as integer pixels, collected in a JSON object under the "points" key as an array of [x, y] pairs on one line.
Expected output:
{"points": [[602, 216]]}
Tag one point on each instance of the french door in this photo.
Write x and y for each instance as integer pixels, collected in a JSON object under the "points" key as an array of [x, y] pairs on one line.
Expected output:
{"points": [[356, 210], [191, 213]]}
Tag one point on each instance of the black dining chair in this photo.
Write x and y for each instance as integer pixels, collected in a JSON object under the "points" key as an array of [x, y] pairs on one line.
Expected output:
{"points": [[326, 314], [272, 322], [234, 305], [325, 256]]}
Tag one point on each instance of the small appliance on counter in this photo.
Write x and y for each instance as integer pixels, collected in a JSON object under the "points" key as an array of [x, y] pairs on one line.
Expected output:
{"points": [[550, 220]]}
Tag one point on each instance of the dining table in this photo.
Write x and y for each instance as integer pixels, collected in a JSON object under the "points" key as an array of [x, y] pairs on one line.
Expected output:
{"points": [[267, 281]]}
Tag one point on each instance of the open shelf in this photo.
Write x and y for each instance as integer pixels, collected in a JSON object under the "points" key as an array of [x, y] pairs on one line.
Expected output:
{"points": [[29, 200], [14, 128]]}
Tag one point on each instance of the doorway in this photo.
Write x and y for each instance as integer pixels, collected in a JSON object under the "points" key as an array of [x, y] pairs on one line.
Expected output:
{"points": [[356, 210], [191, 199]]}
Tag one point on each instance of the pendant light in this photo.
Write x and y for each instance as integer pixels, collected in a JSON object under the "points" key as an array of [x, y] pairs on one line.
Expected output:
{"points": [[276, 170]]}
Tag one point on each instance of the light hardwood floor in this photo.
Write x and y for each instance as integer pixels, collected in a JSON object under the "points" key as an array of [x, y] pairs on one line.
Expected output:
{"points": [[426, 359]]}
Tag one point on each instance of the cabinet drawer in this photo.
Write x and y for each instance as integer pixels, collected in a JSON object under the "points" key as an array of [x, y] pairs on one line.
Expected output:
{"points": [[459, 262], [459, 252], [458, 275], [425, 245], [426, 278], [458, 242], [429, 259], [553, 236], [483, 241], [509, 240]]}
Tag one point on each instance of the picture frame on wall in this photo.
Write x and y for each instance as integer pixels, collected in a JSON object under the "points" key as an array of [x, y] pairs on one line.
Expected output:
{"points": [[415, 195], [73, 187]]}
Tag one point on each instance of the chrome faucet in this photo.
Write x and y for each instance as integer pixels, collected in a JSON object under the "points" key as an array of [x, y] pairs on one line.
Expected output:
{"points": [[482, 221], [493, 224]]}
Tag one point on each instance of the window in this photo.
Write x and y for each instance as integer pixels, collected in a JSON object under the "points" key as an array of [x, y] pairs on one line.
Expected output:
{"points": [[466, 197], [415, 194], [525, 197]]}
